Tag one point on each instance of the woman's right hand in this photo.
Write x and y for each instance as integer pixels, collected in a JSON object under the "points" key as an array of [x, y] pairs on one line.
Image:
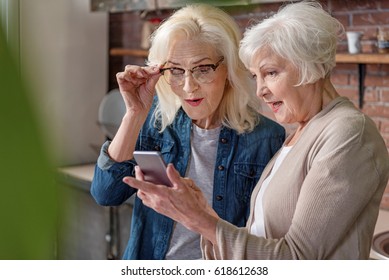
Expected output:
{"points": [[137, 86], [183, 202]]}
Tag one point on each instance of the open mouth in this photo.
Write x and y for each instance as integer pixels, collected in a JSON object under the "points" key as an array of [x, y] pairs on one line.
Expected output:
{"points": [[275, 105], [194, 102]]}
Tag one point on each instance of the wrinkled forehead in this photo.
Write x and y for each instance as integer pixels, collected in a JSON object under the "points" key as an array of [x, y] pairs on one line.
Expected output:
{"points": [[264, 58], [263, 55], [182, 47]]}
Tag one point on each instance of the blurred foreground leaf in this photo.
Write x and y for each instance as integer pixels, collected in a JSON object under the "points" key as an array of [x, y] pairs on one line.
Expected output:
{"points": [[27, 183]]}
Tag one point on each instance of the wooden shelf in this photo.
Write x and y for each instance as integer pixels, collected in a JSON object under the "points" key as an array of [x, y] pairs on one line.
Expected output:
{"points": [[363, 58], [360, 59], [128, 52]]}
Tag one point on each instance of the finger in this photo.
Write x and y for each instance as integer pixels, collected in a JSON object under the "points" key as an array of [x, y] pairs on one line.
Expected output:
{"points": [[178, 181], [141, 195], [152, 79], [135, 80], [142, 72], [139, 174], [152, 70], [173, 175], [134, 74], [192, 185], [135, 71], [140, 185]]}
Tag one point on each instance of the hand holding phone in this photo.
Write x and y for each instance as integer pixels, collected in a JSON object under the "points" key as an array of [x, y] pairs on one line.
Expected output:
{"points": [[153, 167]]}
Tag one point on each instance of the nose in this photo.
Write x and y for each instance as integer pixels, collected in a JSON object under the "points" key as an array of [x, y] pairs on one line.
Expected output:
{"points": [[260, 92], [190, 84]]}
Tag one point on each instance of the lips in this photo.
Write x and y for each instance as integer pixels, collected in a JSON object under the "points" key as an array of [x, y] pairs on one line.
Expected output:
{"points": [[194, 102], [275, 106]]}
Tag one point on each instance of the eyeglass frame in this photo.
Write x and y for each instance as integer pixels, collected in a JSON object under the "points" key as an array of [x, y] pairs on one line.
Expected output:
{"points": [[213, 66]]}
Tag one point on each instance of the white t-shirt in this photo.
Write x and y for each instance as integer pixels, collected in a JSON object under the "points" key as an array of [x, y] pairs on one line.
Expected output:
{"points": [[258, 225], [201, 170]]}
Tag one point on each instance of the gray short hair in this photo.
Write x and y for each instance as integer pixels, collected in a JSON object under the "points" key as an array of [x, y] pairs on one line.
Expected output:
{"points": [[303, 33]]}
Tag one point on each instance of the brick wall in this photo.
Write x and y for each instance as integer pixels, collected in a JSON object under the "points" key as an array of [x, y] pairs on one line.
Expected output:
{"points": [[356, 15], [365, 16]]}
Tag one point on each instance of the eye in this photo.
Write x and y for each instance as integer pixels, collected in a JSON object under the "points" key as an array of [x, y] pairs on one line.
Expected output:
{"points": [[253, 76], [176, 71], [202, 69], [272, 73]]}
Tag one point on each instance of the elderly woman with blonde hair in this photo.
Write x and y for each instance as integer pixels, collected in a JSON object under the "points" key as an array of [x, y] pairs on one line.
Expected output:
{"points": [[203, 119]]}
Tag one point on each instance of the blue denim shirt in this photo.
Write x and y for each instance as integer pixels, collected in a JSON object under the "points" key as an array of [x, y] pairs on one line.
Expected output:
{"points": [[239, 163]]}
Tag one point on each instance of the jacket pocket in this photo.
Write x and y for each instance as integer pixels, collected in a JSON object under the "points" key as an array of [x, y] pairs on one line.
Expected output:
{"points": [[246, 176], [154, 144]]}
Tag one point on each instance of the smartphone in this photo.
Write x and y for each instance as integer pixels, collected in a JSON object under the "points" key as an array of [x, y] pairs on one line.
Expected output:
{"points": [[153, 167]]}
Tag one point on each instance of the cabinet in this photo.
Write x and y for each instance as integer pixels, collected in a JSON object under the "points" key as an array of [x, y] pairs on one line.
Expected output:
{"points": [[86, 230], [150, 5]]}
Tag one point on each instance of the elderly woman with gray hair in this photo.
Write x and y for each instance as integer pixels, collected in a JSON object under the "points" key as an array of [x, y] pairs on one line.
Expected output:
{"points": [[319, 197]]}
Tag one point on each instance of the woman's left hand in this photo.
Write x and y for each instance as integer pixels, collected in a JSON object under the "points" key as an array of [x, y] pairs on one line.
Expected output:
{"points": [[183, 202]]}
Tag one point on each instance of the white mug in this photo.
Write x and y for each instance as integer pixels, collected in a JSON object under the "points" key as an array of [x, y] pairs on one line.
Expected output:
{"points": [[354, 41]]}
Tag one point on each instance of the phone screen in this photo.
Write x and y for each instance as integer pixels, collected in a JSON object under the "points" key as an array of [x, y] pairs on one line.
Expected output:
{"points": [[153, 167]]}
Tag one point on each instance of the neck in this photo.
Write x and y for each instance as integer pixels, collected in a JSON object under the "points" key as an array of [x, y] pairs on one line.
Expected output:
{"points": [[329, 93], [296, 135]]}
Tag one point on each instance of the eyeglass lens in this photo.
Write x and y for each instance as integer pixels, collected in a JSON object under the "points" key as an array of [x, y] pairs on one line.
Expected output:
{"points": [[202, 74]]}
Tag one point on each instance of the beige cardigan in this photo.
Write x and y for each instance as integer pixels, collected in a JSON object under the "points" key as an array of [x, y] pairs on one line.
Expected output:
{"points": [[323, 202]]}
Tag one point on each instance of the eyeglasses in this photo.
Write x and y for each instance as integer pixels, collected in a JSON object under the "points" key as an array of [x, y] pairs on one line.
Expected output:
{"points": [[202, 74]]}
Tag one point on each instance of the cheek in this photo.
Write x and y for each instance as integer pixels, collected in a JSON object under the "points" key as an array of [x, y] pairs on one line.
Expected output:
{"points": [[177, 94], [215, 90], [216, 94], [278, 89], [291, 113]]}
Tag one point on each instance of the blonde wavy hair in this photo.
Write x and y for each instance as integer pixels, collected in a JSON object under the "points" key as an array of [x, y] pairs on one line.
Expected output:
{"points": [[239, 106]]}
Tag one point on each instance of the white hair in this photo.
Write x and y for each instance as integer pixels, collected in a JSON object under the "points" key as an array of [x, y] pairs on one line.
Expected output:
{"points": [[302, 33]]}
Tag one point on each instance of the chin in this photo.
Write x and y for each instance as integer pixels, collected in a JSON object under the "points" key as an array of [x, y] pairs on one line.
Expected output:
{"points": [[280, 119]]}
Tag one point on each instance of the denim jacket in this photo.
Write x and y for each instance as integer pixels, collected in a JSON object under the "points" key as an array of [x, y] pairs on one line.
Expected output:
{"points": [[239, 163]]}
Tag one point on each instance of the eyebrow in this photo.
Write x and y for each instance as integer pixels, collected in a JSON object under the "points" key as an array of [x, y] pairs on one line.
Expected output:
{"points": [[267, 65], [195, 62]]}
